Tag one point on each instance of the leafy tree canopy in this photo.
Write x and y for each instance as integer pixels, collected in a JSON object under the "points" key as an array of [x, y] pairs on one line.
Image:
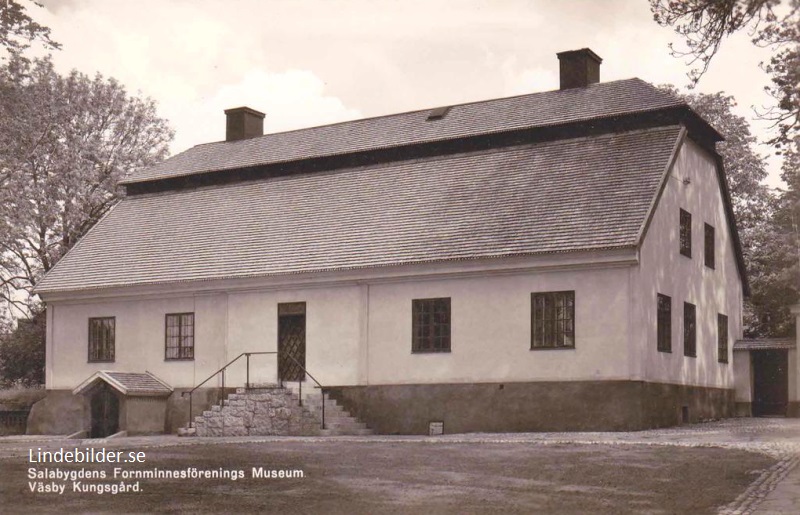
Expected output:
{"points": [[18, 30], [704, 24], [65, 142], [22, 353]]}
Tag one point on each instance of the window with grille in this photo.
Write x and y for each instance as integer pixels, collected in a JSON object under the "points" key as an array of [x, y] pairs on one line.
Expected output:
{"points": [[179, 336], [722, 338], [664, 323], [686, 233], [101, 339], [689, 330], [553, 320], [709, 246], [430, 325]]}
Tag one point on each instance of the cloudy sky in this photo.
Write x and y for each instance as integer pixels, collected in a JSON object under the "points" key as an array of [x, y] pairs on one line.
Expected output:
{"points": [[309, 63]]}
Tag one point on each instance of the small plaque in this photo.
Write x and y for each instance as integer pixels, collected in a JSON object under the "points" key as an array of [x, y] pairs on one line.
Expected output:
{"points": [[436, 428]]}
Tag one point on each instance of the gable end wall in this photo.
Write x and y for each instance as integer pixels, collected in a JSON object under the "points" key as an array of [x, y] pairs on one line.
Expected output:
{"points": [[664, 270]]}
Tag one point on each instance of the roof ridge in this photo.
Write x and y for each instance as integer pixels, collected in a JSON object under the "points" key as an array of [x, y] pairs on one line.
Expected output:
{"points": [[412, 111], [488, 116]]}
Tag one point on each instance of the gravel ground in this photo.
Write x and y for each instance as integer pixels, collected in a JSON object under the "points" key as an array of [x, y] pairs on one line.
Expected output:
{"points": [[729, 466]]}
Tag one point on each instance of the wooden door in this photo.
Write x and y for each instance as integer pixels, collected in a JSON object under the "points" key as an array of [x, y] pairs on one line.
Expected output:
{"points": [[292, 341], [770, 382], [105, 412]]}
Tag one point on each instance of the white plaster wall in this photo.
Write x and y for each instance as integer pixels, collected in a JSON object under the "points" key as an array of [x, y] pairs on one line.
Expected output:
{"points": [[226, 324], [139, 344], [332, 332], [743, 378], [491, 333], [664, 270]]}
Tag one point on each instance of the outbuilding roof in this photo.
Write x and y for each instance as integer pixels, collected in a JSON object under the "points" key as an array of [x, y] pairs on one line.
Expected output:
{"points": [[127, 383], [764, 344], [550, 108], [546, 197]]}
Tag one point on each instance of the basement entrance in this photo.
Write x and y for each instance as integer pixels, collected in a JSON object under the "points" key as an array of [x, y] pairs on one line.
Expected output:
{"points": [[105, 411], [292, 341], [129, 402], [770, 382]]}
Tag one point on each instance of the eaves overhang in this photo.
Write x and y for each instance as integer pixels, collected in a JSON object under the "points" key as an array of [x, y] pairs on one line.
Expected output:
{"points": [[604, 258]]}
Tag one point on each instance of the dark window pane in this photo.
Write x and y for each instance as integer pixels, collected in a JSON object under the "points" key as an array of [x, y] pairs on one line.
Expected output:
{"points": [[689, 330], [101, 339], [179, 336], [709, 246], [722, 338], [430, 325], [686, 233], [553, 320], [664, 324]]}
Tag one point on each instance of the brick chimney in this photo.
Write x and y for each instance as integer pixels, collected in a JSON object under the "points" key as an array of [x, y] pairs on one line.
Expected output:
{"points": [[243, 123], [579, 68]]}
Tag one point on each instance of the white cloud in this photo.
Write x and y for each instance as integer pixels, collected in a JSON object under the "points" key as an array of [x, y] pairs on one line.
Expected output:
{"points": [[519, 81], [291, 99]]}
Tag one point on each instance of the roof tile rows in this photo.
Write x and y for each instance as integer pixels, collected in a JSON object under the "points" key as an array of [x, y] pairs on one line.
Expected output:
{"points": [[566, 195], [549, 108], [765, 344], [139, 384]]}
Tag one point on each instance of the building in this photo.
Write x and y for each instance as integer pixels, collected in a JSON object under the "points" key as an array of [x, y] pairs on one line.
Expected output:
{"points": [[767, 374], [565, 260]]}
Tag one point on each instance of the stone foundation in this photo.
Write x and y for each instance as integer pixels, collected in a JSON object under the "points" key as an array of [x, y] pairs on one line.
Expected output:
{"points": [[744, 409], [409, 409], [202, 400], [261, 412], [62, 413], [539, 406], [59, 413]]}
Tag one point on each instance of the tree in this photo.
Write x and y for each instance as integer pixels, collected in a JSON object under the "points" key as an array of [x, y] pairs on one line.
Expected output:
{"points": [[18, 30], [783, 263], [772, 23], [65, 143], [22, 353]]}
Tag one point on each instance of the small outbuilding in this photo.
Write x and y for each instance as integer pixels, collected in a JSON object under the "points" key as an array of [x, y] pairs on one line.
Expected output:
{"points": [[767, 372], [124, 401]]}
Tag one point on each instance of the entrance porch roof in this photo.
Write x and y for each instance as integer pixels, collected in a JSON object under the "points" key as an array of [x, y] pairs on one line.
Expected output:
{"points": [[127, 383]]}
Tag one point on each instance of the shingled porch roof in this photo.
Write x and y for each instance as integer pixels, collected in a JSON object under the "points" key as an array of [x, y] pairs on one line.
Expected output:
{"points": [[127, 383], [559, 196]]}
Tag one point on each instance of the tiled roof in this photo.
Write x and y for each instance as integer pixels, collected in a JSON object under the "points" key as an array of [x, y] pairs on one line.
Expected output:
{"points": [[127, 383], [549, 108], [764, 344], [558, 196]]}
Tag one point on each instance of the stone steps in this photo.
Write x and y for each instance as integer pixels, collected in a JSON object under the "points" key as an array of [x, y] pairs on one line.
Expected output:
{"points": [[338, 421], [267, 410]]}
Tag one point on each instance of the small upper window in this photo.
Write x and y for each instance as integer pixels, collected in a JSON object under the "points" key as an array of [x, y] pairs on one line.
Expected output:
{"points": [[722, 338], [101, 339], [686, 233], [430, 325], [179, 336], [689, 330], [664, 324], [438, 113], [709, 245], [553, 320]]}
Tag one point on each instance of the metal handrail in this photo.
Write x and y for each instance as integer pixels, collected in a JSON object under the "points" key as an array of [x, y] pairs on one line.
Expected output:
{"points": [[300, 386], [247, 383], [222, 370]]}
